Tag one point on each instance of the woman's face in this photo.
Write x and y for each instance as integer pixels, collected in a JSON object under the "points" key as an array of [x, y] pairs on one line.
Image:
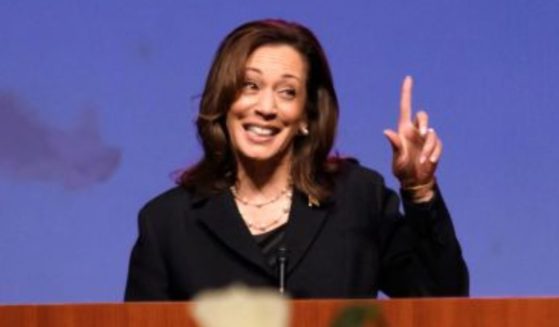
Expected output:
{"points": [[270, 109]]}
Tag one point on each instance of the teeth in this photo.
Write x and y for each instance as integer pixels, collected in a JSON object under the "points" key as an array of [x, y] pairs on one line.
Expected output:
{"points": [[262, 131]]}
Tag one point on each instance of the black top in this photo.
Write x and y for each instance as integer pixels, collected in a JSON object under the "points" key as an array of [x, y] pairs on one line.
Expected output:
{"points": [[270, 242]]}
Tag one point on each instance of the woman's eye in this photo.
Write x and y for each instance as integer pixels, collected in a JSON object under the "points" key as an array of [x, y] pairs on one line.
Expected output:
{"points": [[289, 93], [250, 86]]}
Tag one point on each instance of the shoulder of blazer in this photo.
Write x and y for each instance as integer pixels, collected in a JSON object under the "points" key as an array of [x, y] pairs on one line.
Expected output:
{"points": [[352, 174], [164, 204]]}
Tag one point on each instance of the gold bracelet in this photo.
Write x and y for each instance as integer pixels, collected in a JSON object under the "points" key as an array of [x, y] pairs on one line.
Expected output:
{"points": [[429, 184], [420, 193]]}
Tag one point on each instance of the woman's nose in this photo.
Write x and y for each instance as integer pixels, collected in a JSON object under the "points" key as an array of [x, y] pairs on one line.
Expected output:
{"points": [[266, 106]]}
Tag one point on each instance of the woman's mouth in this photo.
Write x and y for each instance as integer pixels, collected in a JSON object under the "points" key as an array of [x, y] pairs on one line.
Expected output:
{"points": [[261, 131]]}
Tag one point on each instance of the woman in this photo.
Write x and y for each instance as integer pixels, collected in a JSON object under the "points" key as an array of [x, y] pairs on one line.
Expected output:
{"points": [[266, 206]]}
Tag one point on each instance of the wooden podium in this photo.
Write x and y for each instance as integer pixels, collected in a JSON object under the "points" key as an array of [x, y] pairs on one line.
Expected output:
{"points": [[510, 312]]}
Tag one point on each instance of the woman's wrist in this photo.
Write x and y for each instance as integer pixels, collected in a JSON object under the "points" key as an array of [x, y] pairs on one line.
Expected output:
{"points": [[420, 193]]}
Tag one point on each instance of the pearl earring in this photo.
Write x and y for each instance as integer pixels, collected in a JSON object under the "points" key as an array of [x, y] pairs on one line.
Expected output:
{"points": [[304, 130]]}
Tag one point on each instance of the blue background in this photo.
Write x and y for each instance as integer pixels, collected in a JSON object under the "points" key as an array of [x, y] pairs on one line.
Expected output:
{"points": [[98, 98]]}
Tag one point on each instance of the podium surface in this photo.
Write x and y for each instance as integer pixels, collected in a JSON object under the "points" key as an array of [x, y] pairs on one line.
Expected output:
{"points": [[509, 312]]}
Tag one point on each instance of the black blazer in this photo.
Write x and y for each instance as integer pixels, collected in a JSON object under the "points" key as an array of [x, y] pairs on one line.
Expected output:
{"points": [[353, 245]]}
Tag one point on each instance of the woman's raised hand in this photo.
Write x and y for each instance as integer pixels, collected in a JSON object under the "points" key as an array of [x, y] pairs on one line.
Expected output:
{"points": [[416, 148]]}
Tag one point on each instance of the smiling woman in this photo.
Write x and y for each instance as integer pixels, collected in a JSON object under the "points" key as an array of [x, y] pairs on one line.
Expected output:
{"points": [[262, 65], [266, 206]]}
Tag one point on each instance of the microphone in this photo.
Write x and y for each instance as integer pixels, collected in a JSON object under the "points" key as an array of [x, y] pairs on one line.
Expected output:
{"points": [[282, 263]]}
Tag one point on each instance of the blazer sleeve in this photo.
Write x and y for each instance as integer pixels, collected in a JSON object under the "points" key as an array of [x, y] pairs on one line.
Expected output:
{"points": [[147, 274], [421, 255]]}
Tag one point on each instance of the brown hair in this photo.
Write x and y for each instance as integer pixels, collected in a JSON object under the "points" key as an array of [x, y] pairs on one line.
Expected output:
{"points": [[311, 169]]}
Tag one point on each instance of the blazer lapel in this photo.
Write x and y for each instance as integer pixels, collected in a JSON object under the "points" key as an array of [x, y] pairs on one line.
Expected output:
{"points": [[305, 222], [222, 218]]}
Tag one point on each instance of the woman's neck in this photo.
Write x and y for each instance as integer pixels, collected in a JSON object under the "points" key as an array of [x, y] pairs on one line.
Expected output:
{"points": [[262, 180]]}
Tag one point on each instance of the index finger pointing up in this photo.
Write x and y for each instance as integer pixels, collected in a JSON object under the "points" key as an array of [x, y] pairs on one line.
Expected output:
{"points": [[405, 101]]}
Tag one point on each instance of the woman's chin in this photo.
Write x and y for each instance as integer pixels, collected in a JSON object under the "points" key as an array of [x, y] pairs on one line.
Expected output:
{"points": [[259, 157], [263, 157]]}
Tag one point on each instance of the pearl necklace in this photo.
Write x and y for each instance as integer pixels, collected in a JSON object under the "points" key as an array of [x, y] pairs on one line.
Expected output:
{"points": [[262, 228], [280, 219], [262, 204]]}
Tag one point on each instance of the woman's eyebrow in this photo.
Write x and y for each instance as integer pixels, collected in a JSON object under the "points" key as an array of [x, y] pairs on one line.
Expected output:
{"points": [[285, 76]]}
